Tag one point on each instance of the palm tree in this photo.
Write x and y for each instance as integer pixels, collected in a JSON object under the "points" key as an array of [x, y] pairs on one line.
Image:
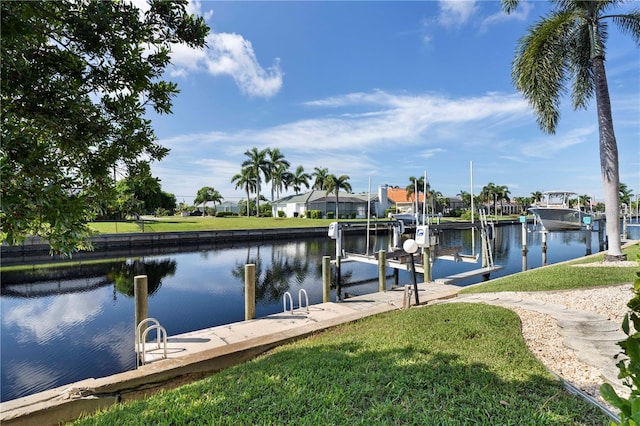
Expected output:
{"points": [[299, 179], [247, 181], [584, 201], [568, 45], [489, 194], [321, 175], [465, 197], [277, 166], [280, 179], [411, 189], [206, 194], [257, 164], [335, 183], [536, 196], [502, 193], [625, 194]]}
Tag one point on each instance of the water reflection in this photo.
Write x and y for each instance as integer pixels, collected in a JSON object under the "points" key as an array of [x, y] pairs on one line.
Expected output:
{"points": [[69, 324]]}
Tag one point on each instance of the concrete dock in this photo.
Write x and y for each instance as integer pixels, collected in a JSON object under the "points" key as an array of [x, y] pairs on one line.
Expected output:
{"points": [[192, 356]]}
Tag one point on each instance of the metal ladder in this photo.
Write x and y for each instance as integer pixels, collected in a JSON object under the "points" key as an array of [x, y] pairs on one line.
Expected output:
{"points": [[141, 339], [287, 296], [487, 233]]}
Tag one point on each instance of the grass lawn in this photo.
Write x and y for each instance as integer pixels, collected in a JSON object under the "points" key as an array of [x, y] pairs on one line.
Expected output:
{"points": [[563, 276], [445, 364], [206, 223]]}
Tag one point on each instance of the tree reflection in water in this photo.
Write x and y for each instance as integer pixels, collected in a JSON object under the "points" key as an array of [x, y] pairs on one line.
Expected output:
{"points": [[155, 270]]}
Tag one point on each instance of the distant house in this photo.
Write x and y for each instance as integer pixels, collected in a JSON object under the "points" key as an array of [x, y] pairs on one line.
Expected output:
{"points": [[300, 204], [228, 206], [404, 203]]}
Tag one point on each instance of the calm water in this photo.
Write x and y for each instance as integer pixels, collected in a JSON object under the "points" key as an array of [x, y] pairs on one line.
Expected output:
{"points": [[69, 324]]}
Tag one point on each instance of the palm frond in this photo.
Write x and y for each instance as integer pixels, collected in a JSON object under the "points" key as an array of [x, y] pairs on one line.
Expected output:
{"points": [[580, 64], [629, 24], [540, 66]]}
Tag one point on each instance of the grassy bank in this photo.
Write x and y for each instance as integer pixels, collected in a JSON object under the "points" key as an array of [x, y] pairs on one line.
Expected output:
{"points": [[205, 223], [439, 365], [563, 276]]}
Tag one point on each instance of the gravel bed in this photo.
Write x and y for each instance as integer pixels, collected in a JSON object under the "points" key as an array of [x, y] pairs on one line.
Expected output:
{"points": [[541, 331]]}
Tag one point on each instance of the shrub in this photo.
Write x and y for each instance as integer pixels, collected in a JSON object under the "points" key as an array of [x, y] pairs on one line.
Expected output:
{"points": [[224, 214], [315, 214], [282, 213], [387, 212], [352, 215], [330, 215]]}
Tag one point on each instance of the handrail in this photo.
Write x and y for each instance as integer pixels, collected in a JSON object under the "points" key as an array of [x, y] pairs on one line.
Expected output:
{"points": [[287, 296], [141, 347], [306, 298]]}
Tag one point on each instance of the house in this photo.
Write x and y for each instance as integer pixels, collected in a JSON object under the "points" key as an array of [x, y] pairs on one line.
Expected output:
{"points": [[349, 204]]}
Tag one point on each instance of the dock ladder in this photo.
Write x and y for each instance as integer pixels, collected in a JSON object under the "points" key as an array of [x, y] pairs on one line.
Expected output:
{"points": [[141, 339], [487, 233], [287, 296]]}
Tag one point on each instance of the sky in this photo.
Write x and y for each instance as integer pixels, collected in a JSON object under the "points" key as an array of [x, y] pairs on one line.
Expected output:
{"points": [[382, 91]]}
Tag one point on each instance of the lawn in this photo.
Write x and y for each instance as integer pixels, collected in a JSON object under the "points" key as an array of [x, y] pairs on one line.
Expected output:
{"points": [[563, 276], [205, 223], [439, 365]]}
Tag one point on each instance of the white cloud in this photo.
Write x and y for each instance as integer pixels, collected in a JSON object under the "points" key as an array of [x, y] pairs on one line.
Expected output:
{"points": [[232, 55], [456, 12]]}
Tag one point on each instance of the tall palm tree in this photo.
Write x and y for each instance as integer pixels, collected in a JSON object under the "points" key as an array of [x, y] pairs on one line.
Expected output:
{"points": [[321, 175], [258, 166], [247, 181], [411, 189], [280, 179], [277, 171], [299, 179], [568, 45], [335, 184]]}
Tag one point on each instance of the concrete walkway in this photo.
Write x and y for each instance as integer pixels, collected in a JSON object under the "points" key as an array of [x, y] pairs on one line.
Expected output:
{"points": [[593, 337]]}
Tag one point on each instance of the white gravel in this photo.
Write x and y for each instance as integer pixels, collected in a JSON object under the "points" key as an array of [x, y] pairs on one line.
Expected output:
{"points": [[544, 340]]}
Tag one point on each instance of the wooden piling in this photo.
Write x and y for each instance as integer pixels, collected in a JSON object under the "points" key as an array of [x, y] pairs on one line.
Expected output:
{"points": [[326, 279], [249, 291], [140, 293], [382, 270]]}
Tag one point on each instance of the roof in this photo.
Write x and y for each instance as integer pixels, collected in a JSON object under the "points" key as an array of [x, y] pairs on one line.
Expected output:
{"points": [[399, 195]]}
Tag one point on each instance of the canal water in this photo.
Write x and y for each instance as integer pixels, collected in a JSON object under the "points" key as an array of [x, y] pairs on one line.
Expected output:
{"points": [[65, 324]]}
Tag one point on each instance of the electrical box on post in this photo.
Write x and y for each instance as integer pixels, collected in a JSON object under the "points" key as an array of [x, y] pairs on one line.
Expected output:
{"points": [[422, 235], [333, 230]]}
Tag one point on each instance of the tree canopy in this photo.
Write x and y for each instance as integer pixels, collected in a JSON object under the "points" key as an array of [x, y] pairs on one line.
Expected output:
{"points": [[77, 79]]}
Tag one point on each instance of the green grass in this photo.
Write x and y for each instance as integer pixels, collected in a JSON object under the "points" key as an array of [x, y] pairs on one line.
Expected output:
{"points": [[439, 365], [205, 223], [563, 276]]}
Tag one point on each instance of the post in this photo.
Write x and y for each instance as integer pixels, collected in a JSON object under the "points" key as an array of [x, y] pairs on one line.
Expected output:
{"points": [[326, 279], [382, 270], [524, 238], [413, 278], [140, 291], [544, 240], [249, 291], [426, 263]]}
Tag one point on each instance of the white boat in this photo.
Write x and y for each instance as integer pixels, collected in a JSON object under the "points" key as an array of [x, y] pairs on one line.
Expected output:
{"points": [[555, 214]]}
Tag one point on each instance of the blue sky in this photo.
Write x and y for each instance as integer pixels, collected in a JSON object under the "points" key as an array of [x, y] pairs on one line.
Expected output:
{"points": [[383, 90]]}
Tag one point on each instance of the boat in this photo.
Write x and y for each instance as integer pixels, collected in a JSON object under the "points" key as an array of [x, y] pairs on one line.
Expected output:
{"points": [[555, 213]]}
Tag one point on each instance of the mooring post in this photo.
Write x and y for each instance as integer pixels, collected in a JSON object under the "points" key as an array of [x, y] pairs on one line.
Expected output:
{"points": [[140, 291], [382, 270], [426, 263], [524, 238], [249, 291], [326, 279], [544, 240]]}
